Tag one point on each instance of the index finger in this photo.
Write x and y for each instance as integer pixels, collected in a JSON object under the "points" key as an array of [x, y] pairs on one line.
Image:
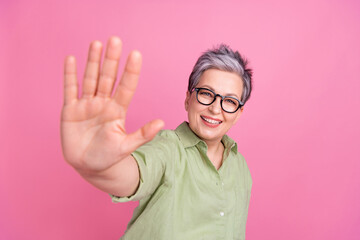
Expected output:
{"points": [[129, 80], [70, 80]]}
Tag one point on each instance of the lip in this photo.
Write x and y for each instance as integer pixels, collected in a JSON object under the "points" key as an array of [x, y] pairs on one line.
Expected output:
{"points": [[215, 119], [211, 124]]}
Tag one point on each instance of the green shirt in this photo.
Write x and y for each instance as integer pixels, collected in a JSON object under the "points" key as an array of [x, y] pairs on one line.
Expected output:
{"points": [[183, 196]]}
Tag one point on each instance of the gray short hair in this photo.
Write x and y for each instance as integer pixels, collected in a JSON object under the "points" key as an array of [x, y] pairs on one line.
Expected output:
{"points": [[223, 58]]}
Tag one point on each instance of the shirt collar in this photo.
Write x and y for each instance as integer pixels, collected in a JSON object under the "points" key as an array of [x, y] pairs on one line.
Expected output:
{"points": [[189, 138]]}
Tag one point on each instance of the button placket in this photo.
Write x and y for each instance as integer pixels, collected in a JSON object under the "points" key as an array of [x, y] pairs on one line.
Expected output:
{"points": [[221, 183]]}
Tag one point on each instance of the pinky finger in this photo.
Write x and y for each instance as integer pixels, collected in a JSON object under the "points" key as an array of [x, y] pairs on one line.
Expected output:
{"points": [[70, 80]]}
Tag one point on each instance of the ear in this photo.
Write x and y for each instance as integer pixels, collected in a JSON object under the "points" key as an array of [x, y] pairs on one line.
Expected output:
{"points": [[187, 100]]}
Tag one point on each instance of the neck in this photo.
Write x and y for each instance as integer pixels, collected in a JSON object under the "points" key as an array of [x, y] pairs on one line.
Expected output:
{"points": [[215, 153], [214, 146]]}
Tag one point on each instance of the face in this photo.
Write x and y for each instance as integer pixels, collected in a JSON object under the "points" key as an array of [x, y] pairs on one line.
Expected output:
{"points": [[211, 123]]}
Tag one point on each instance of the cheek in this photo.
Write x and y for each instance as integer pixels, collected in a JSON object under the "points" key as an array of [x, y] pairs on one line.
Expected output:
{"points": [[194, 112], [193, 106], [232, 119], [198, 109]]}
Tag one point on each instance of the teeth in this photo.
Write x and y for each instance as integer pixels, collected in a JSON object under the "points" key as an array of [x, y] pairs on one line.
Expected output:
{"points": [[211, 121]]}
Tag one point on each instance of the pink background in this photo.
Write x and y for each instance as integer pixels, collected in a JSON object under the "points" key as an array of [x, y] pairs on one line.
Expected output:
{"points": [[299, 132]]}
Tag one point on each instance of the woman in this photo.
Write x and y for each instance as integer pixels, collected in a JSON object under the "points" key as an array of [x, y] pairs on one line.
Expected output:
{"points": [[192, 182]]}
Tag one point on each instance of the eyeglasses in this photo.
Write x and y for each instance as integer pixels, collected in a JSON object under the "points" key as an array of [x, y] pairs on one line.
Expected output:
{"points": [[207, 97]]}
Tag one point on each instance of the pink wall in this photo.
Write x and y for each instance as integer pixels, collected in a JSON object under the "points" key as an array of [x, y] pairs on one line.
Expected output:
{"points": [[299, 132]]}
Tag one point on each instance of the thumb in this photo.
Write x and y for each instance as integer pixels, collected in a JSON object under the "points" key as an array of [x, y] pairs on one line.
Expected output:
{"points": [[144, 134]]}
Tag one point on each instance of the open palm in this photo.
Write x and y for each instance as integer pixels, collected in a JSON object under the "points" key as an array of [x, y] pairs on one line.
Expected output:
{"points": [[93, 126]]}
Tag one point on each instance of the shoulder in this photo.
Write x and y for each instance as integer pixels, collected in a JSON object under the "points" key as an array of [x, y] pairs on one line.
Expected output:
{"points": [[243, 168], [167, 138], [164, 143], [168, 134], [240, 159]]}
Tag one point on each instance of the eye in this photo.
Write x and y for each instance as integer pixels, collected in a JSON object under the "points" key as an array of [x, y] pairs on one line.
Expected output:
{"points": [[231, 101], [206, 93]]}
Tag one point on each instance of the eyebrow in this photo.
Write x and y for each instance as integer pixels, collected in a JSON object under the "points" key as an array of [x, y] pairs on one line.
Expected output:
{"points": [[226, 95]]}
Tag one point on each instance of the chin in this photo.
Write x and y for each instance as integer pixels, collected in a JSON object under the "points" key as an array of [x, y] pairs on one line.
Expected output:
{"points": [[210, 135]]}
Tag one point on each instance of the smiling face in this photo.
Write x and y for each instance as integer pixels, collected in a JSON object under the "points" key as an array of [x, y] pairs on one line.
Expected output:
{"points": [[211, 123]]}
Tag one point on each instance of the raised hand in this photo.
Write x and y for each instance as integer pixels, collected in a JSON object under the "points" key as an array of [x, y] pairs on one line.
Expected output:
{"points": [[93, 132]]}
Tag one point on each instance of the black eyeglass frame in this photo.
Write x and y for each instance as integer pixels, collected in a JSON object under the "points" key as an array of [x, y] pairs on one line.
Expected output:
{"points": [[216, 95]]}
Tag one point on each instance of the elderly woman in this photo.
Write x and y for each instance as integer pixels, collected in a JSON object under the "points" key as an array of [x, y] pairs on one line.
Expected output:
{"points": [[191, 182]]}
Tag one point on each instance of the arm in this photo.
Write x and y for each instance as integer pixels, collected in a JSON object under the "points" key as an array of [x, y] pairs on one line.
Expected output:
{"points": [[93, 136]]}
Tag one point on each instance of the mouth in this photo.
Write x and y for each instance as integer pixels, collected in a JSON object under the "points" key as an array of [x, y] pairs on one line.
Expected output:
{"points": [[211, 121]]}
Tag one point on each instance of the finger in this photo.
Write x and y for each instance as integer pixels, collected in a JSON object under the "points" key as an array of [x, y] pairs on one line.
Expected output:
{"points": [[110, 67], [70, 80], [91, 74], [129, 80], [143, 135]]}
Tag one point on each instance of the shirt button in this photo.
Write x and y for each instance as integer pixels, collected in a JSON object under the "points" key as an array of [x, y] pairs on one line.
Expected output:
{"points": [[222, 214]]}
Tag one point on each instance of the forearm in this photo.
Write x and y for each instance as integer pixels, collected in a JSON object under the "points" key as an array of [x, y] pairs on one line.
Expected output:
{"points": [[121, 179]]}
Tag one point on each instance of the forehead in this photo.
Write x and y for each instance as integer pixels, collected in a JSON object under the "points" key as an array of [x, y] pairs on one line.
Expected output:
{"points": [[222, 82]]}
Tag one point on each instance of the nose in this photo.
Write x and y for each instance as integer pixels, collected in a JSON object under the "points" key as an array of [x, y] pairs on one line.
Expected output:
{"points": [[215, 107]]}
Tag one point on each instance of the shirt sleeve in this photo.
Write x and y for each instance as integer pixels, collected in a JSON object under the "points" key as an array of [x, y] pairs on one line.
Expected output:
{"points": [[153, 158]]}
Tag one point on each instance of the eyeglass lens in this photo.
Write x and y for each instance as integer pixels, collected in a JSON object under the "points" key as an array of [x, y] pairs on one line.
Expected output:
{"points": [[207, 97]]}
